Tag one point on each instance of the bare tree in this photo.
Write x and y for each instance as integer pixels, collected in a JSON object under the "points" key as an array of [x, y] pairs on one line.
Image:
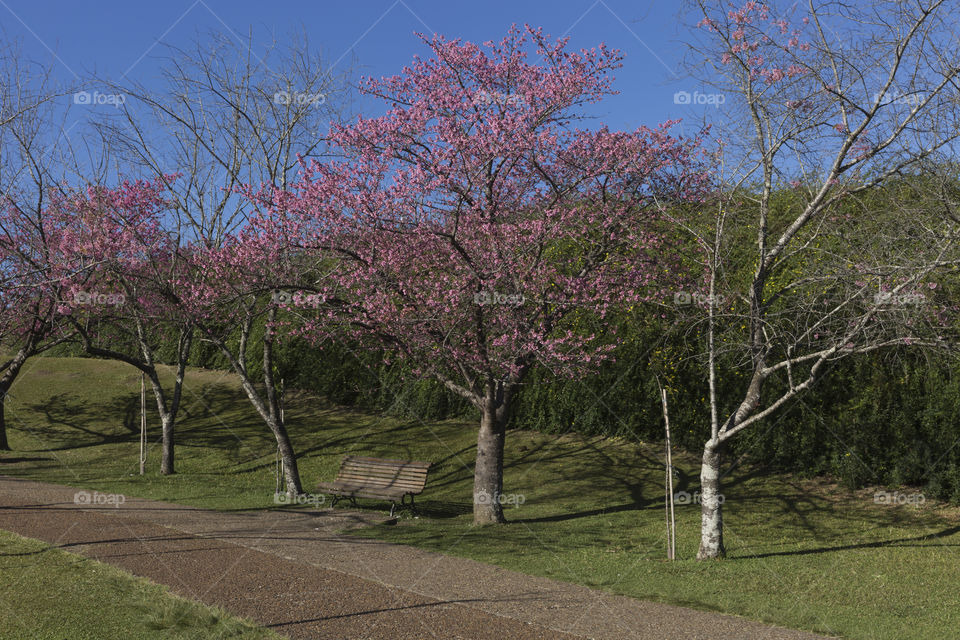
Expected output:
{"points": [[35, 158], [145, 321], [230, 114], [833, 216]]}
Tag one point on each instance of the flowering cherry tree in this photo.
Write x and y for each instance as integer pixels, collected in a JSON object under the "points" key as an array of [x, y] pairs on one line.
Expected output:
{"points": [[226, 292], [829, 167], [125, 266], [31, 285], [473, 229], [30, 266], [242, 113]]}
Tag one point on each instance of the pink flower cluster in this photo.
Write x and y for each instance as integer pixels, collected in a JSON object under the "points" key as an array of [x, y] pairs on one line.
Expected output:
{"points": [[751, 29]]}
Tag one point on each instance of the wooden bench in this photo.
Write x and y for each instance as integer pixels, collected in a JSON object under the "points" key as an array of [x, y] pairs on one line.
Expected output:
{"points": [[379, 478]]}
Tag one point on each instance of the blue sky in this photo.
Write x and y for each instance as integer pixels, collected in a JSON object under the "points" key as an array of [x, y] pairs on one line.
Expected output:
{"points": [[115, 37]]}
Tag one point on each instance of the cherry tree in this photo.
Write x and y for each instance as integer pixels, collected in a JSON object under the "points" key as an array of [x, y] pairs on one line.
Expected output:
{"points": [[129, 264], [31, 111], [476, 232], [228, 290], [831, 197], [31, 286], [227, 112]]}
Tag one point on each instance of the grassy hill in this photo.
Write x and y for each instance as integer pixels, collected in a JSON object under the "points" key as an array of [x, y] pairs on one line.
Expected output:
{"points": [[803, 554]]}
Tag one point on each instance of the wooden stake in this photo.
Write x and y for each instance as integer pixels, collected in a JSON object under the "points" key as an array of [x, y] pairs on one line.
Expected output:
{"points": [[143, 423], [668, 485], [281, 470]]}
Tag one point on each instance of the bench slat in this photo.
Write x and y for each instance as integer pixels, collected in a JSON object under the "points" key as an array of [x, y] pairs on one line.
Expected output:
{"points": [[398, 465], [387, 473], [382, 474], [380, 487], [379, 483], [387, 461], [357, 490], [344, 476], [383, 471]]}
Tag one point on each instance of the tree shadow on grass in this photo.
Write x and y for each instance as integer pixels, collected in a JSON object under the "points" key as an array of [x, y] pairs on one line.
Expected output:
{"points": [[213, 416], [219, 416], [876, 544], [367, 612], [16, 459], [560, 517], [357, 440], [602, 470], [66, 420], [443, 509], [598, 473]]}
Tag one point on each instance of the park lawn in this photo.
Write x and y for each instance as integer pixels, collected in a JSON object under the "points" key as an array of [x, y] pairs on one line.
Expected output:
{"points": [[49, 594], [801, 553]]}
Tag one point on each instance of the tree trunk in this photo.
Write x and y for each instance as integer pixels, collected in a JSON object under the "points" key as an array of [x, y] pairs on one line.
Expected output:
{"points": [[4, 445], [290, 471], [269, 411], [166, 455], [711, 505], [488, 473], [169, 419], [6, 381]]}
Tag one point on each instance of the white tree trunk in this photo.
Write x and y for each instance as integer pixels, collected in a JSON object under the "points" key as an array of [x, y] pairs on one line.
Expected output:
{"points": [[711, 505]]}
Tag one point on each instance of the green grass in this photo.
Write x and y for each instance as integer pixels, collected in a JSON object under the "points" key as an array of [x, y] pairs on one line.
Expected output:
{"points": [[51, 594], [802, 554]]}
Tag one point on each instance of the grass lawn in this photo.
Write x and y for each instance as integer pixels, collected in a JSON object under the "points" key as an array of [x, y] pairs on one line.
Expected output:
{"points": [[49, 594], [801, 554]]}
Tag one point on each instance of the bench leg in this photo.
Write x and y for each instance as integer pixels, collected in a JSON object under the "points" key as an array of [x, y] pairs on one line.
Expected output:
{"points": [[393, 508], [403, 504], [336, 499]]}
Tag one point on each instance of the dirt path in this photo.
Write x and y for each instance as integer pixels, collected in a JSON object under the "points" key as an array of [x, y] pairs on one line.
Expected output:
{"points": [[295, 574]]}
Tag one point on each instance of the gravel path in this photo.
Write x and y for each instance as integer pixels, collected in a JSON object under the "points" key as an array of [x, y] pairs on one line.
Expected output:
{"points": [[295, 574]]}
